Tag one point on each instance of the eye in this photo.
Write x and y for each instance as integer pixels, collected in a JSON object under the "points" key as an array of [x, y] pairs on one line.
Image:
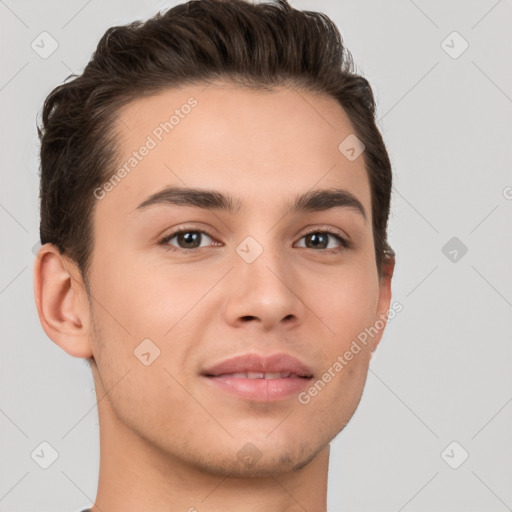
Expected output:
{"points": [[189, 240], [320, 240], [186, 239]]}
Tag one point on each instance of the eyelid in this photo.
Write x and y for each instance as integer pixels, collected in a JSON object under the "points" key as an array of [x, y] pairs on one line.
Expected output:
{"points": [[186, 227]]}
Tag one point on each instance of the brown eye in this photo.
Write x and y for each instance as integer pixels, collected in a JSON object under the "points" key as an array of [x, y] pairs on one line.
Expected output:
{"points": [[189, 239], [321, 239], [317, 240], [186, 239]]}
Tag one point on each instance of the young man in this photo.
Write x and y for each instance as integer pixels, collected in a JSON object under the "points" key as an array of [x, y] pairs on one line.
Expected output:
{"points": [[214, 202]]}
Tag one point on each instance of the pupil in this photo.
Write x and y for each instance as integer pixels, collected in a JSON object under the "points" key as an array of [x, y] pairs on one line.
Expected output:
{"points": [[189, 237], [315, 237]]}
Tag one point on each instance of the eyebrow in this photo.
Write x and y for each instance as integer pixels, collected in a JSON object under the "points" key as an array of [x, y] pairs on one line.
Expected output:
{"points": [[311, 201]]}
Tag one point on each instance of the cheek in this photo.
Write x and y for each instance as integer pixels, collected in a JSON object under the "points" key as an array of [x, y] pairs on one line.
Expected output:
{"points": [[141, 301], [348, 305], [349, 308]]}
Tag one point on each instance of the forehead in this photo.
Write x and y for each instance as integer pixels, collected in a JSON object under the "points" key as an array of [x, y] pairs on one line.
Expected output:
{"points": [[259, 145]]}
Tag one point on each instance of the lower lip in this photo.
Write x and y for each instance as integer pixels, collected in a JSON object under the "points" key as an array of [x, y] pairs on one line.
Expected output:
{"points": [[261, 390]]}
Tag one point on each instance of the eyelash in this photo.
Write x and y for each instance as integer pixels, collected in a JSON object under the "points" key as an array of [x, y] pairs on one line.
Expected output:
{"points": [[345, 244]]}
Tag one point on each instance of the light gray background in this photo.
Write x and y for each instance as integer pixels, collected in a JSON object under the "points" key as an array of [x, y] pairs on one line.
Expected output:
{"points": [[442, 372]]}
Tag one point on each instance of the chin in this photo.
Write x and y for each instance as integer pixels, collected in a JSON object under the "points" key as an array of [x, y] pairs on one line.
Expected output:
{"points": [[251, 462]]}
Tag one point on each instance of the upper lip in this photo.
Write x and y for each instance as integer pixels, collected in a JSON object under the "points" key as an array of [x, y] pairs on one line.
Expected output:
{"points": [[282, 363]]}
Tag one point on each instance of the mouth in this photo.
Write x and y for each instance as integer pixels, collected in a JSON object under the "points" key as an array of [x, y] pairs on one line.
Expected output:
{"points": [[260, 378], [260, 375], [259, 387]]}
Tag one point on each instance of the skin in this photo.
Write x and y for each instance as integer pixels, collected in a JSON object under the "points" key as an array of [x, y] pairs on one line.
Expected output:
{"points": [[169, 441]]}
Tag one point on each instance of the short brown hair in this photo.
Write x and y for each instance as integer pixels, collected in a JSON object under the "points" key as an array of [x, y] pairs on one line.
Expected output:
{"points": [[257, 45]]}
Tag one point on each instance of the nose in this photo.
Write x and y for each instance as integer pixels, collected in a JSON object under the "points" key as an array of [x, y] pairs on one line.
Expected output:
{"points": [[265, 292]]}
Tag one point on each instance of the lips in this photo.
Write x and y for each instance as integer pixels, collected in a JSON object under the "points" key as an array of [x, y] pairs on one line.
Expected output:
{"points": [[261, 375], [255, 366], [259, 378]]}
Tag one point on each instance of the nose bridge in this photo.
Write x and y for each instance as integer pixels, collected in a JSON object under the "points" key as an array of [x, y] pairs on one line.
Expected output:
{"points": [[261, 282], [257, 257], [260, 257]]}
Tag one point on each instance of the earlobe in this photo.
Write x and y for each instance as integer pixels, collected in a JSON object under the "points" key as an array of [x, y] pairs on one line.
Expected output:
{"points": [[61, 301]]}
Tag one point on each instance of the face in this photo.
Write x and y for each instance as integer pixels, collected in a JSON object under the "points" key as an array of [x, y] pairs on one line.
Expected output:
{"points": [[260, 278]]}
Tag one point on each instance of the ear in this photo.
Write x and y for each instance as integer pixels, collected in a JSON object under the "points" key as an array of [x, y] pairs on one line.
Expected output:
{"points": [[384, 296], [61, 301]]}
